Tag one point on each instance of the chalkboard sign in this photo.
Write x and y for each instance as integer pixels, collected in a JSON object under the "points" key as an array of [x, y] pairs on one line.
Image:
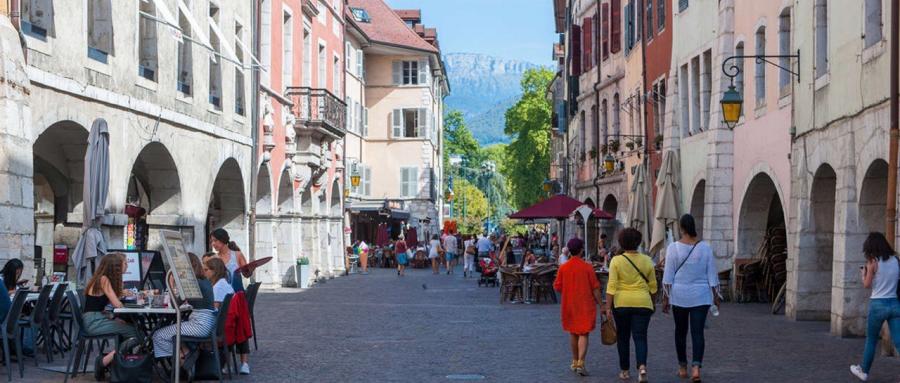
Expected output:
{"points": [[177, 260]]}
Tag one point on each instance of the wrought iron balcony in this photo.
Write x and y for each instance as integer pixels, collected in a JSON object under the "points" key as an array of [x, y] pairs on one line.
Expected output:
{"points": [[319, 110]]}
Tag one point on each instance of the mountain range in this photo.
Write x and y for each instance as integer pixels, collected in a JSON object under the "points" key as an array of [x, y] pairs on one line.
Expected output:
{"points": [[483, 87]]}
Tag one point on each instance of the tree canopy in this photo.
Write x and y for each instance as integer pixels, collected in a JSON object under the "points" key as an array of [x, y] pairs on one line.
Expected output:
{"points": [[528, 123]]}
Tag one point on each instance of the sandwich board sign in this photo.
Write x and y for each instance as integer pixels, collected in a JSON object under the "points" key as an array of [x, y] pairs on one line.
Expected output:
{"points": [[177, 259]]}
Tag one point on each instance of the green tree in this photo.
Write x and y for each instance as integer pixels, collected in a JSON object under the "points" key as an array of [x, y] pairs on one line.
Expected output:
{"points": [[458, 140], [470, 207], [528, 123]]}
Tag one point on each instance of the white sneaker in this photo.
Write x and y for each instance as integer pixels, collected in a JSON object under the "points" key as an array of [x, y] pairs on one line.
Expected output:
{"points": [[245, 369], [857, 371]]}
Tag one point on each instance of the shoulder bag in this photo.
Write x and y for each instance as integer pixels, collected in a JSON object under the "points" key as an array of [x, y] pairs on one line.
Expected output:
{"points": [[685, 259], [608, 331], [646, 281]]}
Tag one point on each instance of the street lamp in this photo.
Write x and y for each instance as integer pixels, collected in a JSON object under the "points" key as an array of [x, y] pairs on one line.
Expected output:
{"points": [[609, 163], [547, 185], [354, 177], [732, 104]]}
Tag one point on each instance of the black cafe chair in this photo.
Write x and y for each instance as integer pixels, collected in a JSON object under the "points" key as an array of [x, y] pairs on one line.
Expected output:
{"points": [[38, 323], [83, 343], [252, 291], [12, 333], [55, 322], [215, 337]]}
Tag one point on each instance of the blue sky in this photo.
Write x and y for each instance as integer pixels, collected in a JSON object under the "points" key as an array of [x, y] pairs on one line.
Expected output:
{"points": [[511, 29]]}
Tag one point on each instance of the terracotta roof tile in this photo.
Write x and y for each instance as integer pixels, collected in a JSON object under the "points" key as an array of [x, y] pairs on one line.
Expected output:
{"points": [[411, 14], [387, 27]]}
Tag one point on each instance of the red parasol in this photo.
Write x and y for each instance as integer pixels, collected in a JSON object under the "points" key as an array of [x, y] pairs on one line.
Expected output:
{"points": [[559, 207], [602, 214], [247, 269]]}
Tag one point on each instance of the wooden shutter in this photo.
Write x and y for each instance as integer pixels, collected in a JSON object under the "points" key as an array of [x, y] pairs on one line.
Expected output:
{"points": [[576, 50], [102, 32], [397, 71], [359, 63], [638, 22], [365, 122], [596, 47], [367, 176], [616, 27], [587, 33], [349, 113], [397, 118], [629, 27], [605, 30], [423, 72]]}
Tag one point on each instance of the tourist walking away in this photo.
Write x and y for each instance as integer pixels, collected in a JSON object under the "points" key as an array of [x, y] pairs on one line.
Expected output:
{"points": [[106, 288], [469, 257], [632, 281], [690, 281], [563, 256], [484, 246], [200, 324], [580, 290], [434, 253], [402, 256], [880, 273], [450, 243], [233, 259]]}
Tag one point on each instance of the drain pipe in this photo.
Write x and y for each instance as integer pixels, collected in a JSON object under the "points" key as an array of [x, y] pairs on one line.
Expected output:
{"points": [[254, 136], [891, 218]]}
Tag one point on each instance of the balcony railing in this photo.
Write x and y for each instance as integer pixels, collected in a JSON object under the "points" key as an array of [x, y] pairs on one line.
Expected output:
{"points": [[318, 109]]}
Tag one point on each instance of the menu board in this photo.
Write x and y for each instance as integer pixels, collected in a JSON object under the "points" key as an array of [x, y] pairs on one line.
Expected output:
{"points": [[178, 261]]}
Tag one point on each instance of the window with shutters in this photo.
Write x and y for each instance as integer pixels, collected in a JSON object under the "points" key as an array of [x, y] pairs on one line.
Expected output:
{"points": [[359, 116], [684, 101], [616, 119], [576, 50], [705, 88], [239, 99], [760, 70], [265, 42], [100, 30], [147, 41], [583, 134], [335, 75], [604, 16], [629, 27], [649, 22], [349, 113], [323, 67], [821, 14], [37, 18], [185, 56], [410, 72], [365, 122], [366, 181], [784, 48], [595, 129], [287, 50], [615, 34], [215, 61], [638, 22], [874, 23], [587, 33], [409, 123], [604, 121], [348, 57], [359, 64], [409, 182], [696, 119], [661, 15], [682, 5]]}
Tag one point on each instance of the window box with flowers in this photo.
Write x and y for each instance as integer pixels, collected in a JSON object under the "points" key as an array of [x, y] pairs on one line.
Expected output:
{"points": [[614, 146]]}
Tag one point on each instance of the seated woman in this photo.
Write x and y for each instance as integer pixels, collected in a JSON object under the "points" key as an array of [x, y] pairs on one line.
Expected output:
{"points": [[201, 322], [529, 259], [10, 274], [237, 326], [104, 288]]}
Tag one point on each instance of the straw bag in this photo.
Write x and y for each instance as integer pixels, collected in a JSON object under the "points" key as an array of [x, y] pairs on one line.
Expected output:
{"points": [[608, 331]]}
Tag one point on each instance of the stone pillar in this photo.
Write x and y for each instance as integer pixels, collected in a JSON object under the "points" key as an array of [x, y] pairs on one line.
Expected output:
{"points": [[16, 157]]}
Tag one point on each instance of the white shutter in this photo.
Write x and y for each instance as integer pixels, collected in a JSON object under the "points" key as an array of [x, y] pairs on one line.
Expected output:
{"points": [[398, 72], [368, 184], [349, 114], [397, 123], [404, 174], [359, 63], [421, 123], [359, 117], [423, 72], [365, 122], [413, 182], [347, 49]]}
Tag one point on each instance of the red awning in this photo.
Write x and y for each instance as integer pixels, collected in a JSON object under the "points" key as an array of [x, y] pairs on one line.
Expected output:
{"points": [[602, 214], [559, 206]]}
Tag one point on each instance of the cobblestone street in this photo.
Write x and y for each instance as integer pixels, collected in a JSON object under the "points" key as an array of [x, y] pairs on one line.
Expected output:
{"points": [[424, 328]]}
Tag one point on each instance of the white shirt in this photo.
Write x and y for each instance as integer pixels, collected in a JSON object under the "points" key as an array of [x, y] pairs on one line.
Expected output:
{"points": [[885, 283], [450, 244], [484, 245], [692, 282], [221, 289], [435, 245]]}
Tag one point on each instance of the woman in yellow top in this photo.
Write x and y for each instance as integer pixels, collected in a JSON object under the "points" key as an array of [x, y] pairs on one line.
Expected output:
{"points": [[632, 280]]}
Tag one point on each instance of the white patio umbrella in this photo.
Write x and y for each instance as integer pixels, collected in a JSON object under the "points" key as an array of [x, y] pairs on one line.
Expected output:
{"points": [[639, 208], [96, 188], [667, 207]]}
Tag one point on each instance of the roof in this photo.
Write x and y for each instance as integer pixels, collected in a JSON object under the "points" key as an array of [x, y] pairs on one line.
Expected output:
{"points": [[388, 28], [409, 14]]}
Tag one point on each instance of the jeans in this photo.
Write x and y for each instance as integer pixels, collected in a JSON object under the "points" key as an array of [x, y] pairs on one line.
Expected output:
{"points": [[632, 323], [880, 310], [695, 318]]}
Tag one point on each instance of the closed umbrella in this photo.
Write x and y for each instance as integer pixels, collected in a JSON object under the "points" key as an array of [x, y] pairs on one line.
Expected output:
{"points": [[96, 188], [639, 210], [666, 200]]}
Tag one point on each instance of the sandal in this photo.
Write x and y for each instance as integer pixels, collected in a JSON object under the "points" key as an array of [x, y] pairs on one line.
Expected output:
{"points": [[682, 372], [642, 375], [623, 375]]}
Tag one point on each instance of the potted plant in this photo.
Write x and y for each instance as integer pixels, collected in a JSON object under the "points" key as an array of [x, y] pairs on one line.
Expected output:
{"points": [[638, 142], [614, 146], [659, 141], [629, 145], [302, 272], [604, 149], [593, 152]]}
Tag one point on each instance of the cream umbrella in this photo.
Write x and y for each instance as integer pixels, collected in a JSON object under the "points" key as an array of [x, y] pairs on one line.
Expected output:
{"points": [[667, 209], [92, 244], [639, 208]]}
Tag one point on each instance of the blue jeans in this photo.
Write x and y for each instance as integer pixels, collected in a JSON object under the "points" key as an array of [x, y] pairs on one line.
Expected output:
{"points": [[695, 318], [880, 310], [632, 323]]}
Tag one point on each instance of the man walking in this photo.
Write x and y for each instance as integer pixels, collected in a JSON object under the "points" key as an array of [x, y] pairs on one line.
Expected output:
{"points": [[450, 251], [580, 290]]}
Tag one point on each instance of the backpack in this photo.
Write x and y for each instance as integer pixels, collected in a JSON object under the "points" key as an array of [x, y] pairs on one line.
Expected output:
{"points": [[131, 363]]}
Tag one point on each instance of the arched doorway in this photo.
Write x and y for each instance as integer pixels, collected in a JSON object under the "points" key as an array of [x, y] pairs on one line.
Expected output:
{"points": [[307, 227], [816, 255], [286, 251], [611, 205], [268, 273], [872, 198], [609, 227], [155, 187], [226, 204], [698, 202], [591, 231], [58, 158], [761, 245], [334, 227]]}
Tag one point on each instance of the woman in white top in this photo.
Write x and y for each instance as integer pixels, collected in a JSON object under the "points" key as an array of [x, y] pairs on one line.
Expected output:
{"points": [[690, 281], [880, 274], [434, 253]]}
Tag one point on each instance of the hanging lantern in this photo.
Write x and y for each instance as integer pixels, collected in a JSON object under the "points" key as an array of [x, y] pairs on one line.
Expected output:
{"points": [[609, 163], [354, 177], [732, 105]]}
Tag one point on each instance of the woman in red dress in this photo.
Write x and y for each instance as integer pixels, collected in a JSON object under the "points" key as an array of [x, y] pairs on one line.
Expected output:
{"points": [[580, 290]]}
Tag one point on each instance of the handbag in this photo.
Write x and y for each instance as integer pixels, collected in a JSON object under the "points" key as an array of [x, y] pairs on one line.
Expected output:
{"points": [[646, 281], [205, 368], [131, 364], [608, 331]]}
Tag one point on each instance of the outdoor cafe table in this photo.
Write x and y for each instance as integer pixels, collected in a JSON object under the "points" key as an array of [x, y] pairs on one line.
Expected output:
{"points": [[526, 285], [142, 314]]}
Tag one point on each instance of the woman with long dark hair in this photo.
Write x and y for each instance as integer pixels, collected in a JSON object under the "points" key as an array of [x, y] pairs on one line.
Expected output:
{"points": [[106, 288], [230, 255], [11, 273], [880, 273], [690, 281]]}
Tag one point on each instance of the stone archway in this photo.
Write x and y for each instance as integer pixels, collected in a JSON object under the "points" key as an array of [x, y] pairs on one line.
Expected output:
{"points": [[267, 273], [591, 231], [609, 227], [155, 186], [308, 227], [761, 213], [698, 202], [335, 236], [286, 252], [872, 198], [816, 250], [226, 203], [611, 205], [58, 158]]}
